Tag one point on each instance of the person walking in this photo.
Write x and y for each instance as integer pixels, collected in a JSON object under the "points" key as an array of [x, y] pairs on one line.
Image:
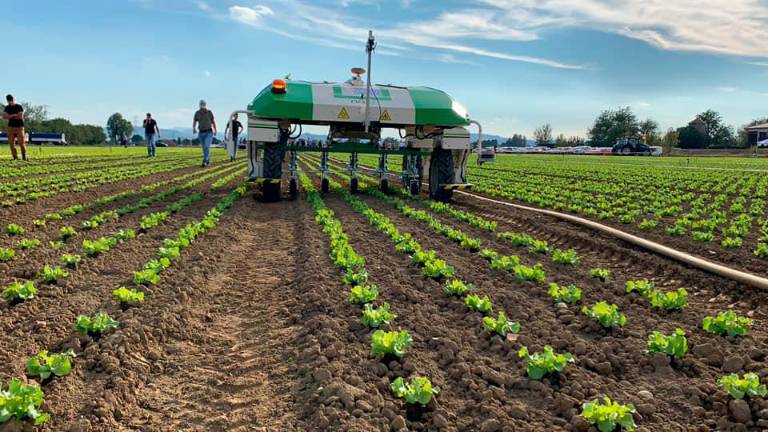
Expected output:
{"points": [[14, 113], [206, 125], [151, 133], [235, 127]]}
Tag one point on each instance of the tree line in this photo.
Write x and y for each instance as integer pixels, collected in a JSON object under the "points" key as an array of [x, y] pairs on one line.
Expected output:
{"points": [[707, 130], [36, 120]]}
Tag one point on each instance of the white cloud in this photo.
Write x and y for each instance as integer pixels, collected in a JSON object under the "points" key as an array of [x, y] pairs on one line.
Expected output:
{"points": [[727, 89], [203, 6], [736, 27], [250, 15]]}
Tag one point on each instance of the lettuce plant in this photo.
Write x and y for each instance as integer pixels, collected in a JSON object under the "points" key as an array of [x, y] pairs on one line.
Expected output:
{"points": [[544, 363], [539, 246], [21, 401], [418, 391], [362, 294], [739, 387], [565, 294], [18, 291], [70, 260], [504, 262], [517, 239], [15, 229], [727, 323], [534, 274], [97, 324], [170, 253], [565, 257], [609, 415], [671, 300], [39, 222], [471, 244], [52, 274], [45, 365], [456, 288], [375, 317], [474, 302], [501, 325], [642, 287], [28, 243], [437, 269], [6, 254], [55, 244], [600, 273], [67, 232], [393, 343], [356, 277], [675, 345], [489, 254], [421, 257], [124, 234], [607, 315], [128, 297]]}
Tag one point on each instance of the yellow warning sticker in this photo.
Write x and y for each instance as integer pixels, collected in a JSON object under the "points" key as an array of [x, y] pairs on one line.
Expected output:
{"points": [[385, 116], [343, 114]]}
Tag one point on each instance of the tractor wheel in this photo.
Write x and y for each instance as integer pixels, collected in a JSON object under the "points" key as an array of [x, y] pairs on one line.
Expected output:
{"points": [[441, 173], [273, 169], [353, 185], [270, 192], [293, 188], [415, 188], [626, 151], [325, 185], [384, 185]]}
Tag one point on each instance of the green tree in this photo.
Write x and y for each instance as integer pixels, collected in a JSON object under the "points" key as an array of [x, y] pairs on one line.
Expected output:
{"points": [[716, 133], [543, 135], [669, 141], [118, 127], [561, 141], [137, 139], [611, 125], [689, 137], [649, 130]]}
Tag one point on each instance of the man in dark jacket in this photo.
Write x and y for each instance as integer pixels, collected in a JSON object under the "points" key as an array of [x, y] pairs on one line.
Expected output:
{"points": [[14, 113]]}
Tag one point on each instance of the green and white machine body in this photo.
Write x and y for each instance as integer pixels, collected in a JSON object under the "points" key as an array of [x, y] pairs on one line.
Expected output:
{"points": [[432, 125]]}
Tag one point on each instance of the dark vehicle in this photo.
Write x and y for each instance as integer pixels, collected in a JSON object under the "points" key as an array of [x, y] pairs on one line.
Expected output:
{"points": [[631, 146]]}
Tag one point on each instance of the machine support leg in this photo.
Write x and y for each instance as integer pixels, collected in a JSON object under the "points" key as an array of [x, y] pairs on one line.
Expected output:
{"points": [[293, 164], [382, 172]]}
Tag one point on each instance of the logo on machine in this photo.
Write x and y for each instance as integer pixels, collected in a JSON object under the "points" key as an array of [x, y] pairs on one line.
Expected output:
{"points": [[343, 114]]}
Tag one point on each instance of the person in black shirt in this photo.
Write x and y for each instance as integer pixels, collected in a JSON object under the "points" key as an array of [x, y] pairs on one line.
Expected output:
{"points": [[236, 128], [14, 113], [151, 132]]}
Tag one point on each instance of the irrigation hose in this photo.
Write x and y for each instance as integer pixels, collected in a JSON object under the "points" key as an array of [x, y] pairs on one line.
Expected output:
{"points": [[692, 260]]}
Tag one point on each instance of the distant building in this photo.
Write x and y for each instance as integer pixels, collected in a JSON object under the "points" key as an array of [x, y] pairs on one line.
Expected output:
{"points": [[757, 133]]}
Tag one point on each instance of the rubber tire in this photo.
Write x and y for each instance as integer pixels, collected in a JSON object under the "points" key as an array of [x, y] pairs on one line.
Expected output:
{"points": [[273, 169], [415, 188], [440, 172], [626, 151], [293, 188], [270, 192], [384, 185], [325, 185], [354, 185]]}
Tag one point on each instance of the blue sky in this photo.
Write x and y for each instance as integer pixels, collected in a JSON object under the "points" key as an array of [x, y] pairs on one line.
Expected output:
{"points": [[515, 64]]}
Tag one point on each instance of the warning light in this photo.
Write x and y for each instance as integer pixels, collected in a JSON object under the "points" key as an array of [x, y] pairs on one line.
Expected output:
{"points": [[278, 86]]}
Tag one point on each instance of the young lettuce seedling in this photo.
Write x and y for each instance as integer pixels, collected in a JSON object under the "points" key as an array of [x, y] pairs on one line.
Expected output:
{"points": [[70, 260], [539, 246], [437, 269], [609, 415], [739, 387], [727, 323], [672, 300], [362, 294], [128, 297], [22, 401], [95, 325], [489, 254], [418, 391], [17, 291], [565, 257], [477, 304], [565, 294], [15, 229], [504, 262], [6, 254], [67, 232], [45, 365], [456, 288], [28, 243], [375, 317], [675, 345], [600, 273], [52, 274], [544, 363], [501, 325], [642, 287], [607, 315], [392, 343], [533, 274], [356, 277]]}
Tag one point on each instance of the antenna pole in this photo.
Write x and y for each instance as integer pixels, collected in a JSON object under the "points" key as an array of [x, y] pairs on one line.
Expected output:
{"points": [[369, 49]]}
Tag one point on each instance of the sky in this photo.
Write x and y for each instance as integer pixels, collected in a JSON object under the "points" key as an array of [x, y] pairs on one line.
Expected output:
{"points": [[515, 64]]}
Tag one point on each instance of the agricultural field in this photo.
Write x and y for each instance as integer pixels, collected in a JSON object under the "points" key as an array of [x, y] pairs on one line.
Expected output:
{"points": [[155, 295]]}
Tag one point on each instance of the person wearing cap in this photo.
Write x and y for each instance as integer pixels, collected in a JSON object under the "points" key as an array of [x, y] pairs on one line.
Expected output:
{"points": [[205, 126], [14, 113], [151, 133]]}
